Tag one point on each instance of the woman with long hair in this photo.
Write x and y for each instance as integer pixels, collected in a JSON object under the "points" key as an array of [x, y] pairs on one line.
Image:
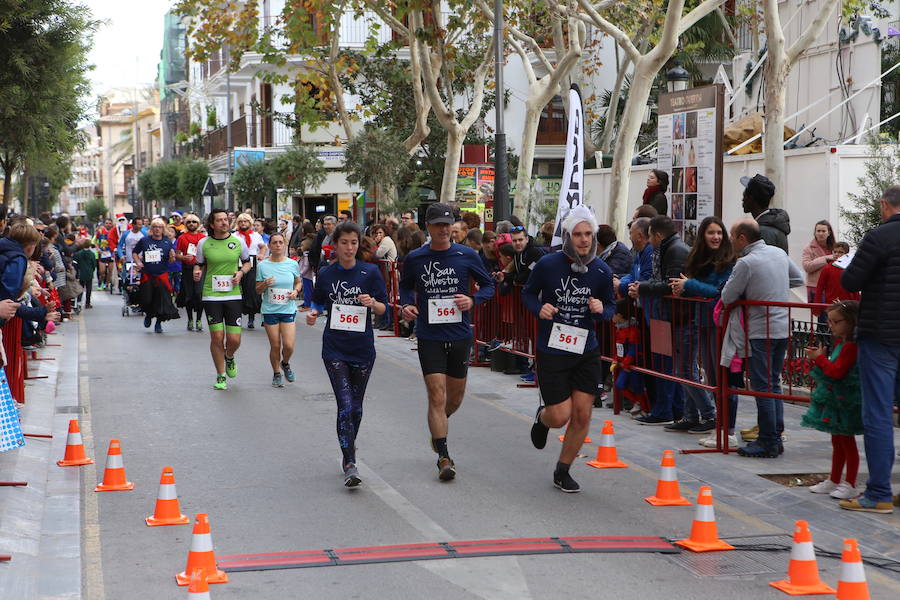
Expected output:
{"points": [[350, 291], [279, 283], [655, 193], [707, 269], [818, 253]]}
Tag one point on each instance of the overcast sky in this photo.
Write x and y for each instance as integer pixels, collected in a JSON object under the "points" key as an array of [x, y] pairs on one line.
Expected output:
{"points": [[126, 48]]}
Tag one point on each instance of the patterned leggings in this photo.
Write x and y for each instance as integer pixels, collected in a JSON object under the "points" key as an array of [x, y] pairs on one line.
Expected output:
{"points": [[349, 383]]}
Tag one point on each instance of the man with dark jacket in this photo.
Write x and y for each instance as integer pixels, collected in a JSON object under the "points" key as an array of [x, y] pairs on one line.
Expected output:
{"points": [[323, 238], [875, 271], [613, 252], [669, 257], [527, 253], [774, 223]]}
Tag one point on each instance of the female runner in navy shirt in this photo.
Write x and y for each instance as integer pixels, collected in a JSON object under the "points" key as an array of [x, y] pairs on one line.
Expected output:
{"points": [[350, 290]]}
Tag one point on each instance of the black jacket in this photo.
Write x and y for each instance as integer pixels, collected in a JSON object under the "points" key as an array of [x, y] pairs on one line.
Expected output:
{"points": [[673, 254], [13, 265], [774, 226], [875, 271], [524, 262], [619, 259], [315, 252], [659, 202]]}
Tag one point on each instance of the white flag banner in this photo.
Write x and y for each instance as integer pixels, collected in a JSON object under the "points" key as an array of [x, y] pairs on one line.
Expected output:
{"points": [[571, 193]]}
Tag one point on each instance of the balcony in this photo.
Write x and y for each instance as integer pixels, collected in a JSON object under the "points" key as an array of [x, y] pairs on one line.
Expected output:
{"points": [[214, 142]]}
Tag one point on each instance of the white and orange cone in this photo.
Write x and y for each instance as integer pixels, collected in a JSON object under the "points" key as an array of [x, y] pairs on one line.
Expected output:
{"points": [[704, 532], [201, 555], [668, 492], [114, 475], [74, 456], [167, 511], [607, 457], [803, 571], [852, 585], [198, 588]]}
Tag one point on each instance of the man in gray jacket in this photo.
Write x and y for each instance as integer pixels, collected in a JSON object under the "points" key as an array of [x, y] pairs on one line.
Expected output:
{"points": [[763, 273]]}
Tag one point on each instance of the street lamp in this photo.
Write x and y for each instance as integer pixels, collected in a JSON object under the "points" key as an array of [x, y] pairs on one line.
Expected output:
{"points": [[677, 78]]}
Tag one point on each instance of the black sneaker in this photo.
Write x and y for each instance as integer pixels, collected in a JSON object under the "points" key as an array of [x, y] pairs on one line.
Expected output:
{"points": [[682, 425], [539, 431], [754, 450], [564, 482], [703, 426], [651, 420], [148, 320], [351, 476], [446, 469]]}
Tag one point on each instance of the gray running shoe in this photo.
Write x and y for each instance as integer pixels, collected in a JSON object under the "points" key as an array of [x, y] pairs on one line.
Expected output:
{"points": [[351, 476], [276, 380]]}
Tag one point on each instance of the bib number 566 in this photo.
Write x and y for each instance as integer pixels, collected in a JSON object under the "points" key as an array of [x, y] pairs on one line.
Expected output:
{"points": [[349, 319]]}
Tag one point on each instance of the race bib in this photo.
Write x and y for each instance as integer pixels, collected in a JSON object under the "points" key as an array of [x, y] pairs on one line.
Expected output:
{"points": [[346, 317], [620, 349], [443, 310], [222, 283], [152, 256], [279, 295], [105, 254], [191, 250], [568, 338]]}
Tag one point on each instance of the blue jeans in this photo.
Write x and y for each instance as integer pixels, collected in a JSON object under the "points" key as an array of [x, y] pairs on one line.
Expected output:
{"points": [[766, 363], [668, 402], [307, 292], [698, 403], [879, 373]]}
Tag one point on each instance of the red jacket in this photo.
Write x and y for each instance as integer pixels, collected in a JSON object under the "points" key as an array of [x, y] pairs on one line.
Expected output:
{"points": [[829, 288]]}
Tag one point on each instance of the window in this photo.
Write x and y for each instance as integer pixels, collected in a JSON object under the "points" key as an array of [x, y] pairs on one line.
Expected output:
{"points": [[552, 126]]}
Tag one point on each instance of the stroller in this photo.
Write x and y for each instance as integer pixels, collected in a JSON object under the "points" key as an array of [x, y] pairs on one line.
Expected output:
{"points": [[129, 284]]}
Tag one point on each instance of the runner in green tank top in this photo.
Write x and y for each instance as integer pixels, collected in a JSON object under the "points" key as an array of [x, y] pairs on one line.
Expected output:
{"points": [[224, 258]]}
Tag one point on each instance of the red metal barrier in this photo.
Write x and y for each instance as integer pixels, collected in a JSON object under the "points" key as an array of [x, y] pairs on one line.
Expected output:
{"points": [[15, 358], [390, 271]]}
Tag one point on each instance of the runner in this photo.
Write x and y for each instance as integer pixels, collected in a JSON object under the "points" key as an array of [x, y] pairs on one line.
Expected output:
{"points": [[278, 280], [221, 255], [569, 291], [152, 256], [257, 249], [434, 290], [105, 254], [191, 292], [350, 291]]}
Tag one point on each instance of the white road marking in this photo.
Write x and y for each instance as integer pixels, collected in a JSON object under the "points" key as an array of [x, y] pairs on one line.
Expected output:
{"points": [[91, 556]]}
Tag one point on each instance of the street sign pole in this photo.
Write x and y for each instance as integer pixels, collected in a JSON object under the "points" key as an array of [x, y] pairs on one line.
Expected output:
{"points": [[501, 176]]}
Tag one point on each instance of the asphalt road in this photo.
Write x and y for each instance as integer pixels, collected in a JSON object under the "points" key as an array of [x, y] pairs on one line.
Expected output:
{"points": [[265, 465]]}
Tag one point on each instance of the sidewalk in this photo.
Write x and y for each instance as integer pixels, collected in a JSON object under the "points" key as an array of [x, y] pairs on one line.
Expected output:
{"points": [[40, 524]]}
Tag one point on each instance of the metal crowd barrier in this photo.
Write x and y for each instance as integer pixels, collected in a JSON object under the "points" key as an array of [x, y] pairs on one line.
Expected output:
{"points": [[16, 364]]}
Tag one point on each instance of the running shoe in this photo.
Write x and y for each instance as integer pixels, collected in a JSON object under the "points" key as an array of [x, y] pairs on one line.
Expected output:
{"points": [[250, 325], [351, 476], [652, 420], [824, 487], [755, 450], [198, 325], [564, 482], [446, 469], [288, 372], [220, 384], [190, 326], [158, 327], [844, 491], [539, 431], [682, 425], [704, 426], [276, 380], [148, 320], [230, 367]]}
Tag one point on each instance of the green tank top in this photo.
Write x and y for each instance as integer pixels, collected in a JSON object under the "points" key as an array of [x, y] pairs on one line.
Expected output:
{"points": [[222, 259]]}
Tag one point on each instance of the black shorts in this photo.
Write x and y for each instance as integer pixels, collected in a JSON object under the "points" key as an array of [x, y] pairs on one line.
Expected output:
{"points": [[450, 358], [223, 314], [559, 374]]}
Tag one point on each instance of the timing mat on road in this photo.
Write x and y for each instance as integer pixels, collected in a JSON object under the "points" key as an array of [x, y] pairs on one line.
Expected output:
{"points": [[441, 550]]}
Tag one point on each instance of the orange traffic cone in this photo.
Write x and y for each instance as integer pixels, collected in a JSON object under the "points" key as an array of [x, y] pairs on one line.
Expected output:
{"points": [[704, 533], [803, 572], [201, 555], [606, 452], [587, 439], [74, 456], [198, 588], [667, 491], [114, 474], [852, 584], [167, 510]]}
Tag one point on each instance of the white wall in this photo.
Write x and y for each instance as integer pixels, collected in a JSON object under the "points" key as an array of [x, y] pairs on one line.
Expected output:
{"points": [[817, 182]]}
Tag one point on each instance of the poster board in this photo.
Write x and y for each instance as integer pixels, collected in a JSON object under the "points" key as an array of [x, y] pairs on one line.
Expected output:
{"points": [[690, 128]]}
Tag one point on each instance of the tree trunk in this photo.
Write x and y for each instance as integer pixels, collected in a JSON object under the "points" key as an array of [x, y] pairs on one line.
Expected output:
{"points": [[522, 205], [610, 122], [630, 127], [7, 181], [773, 134], [455, 137]]}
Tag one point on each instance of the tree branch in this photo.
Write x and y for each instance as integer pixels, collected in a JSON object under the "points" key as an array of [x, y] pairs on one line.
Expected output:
{"points": [[606, 27], [379, 8], [668, 38], [812, 32], [700, 11], [478, 96]]}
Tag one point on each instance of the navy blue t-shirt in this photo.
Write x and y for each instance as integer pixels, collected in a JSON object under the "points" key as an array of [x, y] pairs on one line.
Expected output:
{"points": [[148, 248], [431, 273], [553, 280], [337, 285]]}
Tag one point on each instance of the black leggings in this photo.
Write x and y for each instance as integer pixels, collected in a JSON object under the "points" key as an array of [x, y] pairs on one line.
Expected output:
{"points": [[349, 382], [87, 289]]}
